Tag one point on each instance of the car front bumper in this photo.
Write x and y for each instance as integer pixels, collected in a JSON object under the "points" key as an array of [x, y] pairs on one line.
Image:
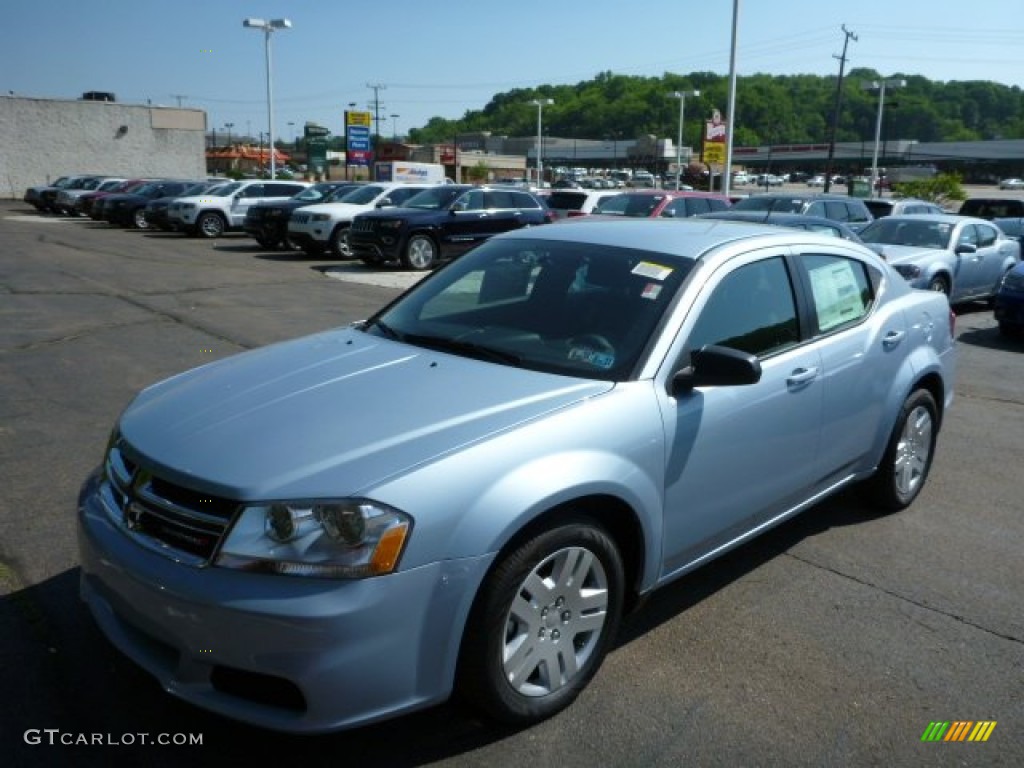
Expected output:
{"points": [[1008, 309], [282, 652]]}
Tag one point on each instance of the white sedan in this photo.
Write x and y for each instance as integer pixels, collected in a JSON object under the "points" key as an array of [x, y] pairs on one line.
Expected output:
{"points": [[1011, 184]]}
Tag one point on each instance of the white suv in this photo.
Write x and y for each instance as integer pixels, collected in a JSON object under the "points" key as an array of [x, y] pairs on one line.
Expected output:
{"points": [[315, 228], [216, 211]]}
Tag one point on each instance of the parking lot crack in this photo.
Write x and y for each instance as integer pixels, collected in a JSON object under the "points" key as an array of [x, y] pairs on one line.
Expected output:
{"points": [[959, 618]]}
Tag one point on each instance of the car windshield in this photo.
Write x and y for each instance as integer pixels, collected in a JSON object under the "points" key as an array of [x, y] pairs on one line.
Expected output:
{"points": [[223, 191], [918, 233], [109, 185], [362, 195], [316, 192], [575, 309], [434, 199], [639, 206], [769, 203]]}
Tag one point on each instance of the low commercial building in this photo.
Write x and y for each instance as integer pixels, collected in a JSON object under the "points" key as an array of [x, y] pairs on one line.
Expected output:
{"points": [[43, 139]]}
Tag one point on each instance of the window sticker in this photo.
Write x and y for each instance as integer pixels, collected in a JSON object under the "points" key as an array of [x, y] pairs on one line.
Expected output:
{"points": [[592, 357], [652, 271], [651, 291], [836, 294]]}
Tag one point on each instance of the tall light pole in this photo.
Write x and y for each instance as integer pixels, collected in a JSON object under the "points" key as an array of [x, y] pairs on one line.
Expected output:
{"points": [[268, 28], [540, 104], [394, 127], [682, 96], [229, 126], [880, 86]]}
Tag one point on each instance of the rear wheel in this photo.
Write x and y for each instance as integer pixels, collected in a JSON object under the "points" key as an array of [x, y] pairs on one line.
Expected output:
{"points": [[139, 219], [420, 252], [908, 457], [543, 622]]}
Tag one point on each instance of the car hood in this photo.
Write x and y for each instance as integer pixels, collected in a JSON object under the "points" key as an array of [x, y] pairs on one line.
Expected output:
{"points": [[339, 209], [330, 415], [897, 254]]}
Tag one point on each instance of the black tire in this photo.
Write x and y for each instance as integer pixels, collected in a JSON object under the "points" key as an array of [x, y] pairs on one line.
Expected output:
{"points": [[210, 225], [138, 219], [939, 284], [314, 251], [420, 253], [532, 640], [908, 457], [338, 242], [268, 243]]}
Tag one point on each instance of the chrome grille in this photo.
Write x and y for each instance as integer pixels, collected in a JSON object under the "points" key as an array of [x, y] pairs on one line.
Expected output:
{"points": [[362, 225], [176, 521]]}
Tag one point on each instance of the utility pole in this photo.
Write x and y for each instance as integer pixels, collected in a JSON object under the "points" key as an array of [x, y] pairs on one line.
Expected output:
{"points": [[179, 97], [376, 88], [835, 113]]}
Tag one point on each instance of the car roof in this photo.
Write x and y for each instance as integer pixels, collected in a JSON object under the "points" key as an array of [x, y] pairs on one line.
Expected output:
{"points": [[691, 238]]}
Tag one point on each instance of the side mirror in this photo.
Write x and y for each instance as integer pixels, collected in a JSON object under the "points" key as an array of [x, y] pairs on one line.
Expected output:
{"points": [[385, 203], [714, 366], [966, 248]]}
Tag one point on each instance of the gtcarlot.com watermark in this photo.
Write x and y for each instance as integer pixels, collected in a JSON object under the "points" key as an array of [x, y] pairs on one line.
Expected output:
{"points": [[54, 737]]}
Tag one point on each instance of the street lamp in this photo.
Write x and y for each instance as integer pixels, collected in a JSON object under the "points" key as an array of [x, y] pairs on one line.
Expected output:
{"points": [[268, 28], [394, 127], [682, 96], [229, 126], [880, 86], [540, 104]]}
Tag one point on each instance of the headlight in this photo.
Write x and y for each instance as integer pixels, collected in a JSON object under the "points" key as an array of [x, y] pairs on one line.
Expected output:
{"points": [[186, 206], [395, 224], [346, 539], [320, 217], [909, 271]]}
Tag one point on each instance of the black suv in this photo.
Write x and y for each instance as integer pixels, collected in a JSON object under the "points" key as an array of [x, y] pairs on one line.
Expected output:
{"points": [[268, 222], [441, 223], [851, 211], [128, 209]]}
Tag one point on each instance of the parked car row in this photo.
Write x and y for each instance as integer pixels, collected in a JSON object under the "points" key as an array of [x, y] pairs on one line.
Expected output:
{"points": [[419, 225]]}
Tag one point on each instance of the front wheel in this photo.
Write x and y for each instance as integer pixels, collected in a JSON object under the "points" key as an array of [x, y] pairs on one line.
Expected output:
{"points": [[210, 225], [542, 624], [420, 252], [939, 284], [908, 457], [339, 242], [139, 219]]}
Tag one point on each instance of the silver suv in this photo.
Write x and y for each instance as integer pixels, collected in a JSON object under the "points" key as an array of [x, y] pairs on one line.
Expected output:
{"points": [[218, 210]]}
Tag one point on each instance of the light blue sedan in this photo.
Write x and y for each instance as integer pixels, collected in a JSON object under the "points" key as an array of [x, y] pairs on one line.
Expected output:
{"points": [[960, 256], [466, 491]]}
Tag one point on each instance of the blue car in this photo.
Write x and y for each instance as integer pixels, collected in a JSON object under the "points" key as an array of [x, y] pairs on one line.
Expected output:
{"points": [[464, 492], [1009, 302]]}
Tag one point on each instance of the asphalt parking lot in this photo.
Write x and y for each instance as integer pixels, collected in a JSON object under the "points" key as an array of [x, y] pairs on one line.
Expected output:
{"points": [[836, 639]]}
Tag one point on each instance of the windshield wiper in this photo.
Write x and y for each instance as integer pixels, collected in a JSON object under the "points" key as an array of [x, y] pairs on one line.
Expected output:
{"points": [[469, 348], [384, 328]]}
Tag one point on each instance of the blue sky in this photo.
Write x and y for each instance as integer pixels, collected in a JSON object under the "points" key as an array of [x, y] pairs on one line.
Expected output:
{"points": [[442, 59]]}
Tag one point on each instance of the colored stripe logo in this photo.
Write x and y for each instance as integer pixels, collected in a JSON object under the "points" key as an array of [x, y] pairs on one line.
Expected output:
{"points": [[959, 730]]}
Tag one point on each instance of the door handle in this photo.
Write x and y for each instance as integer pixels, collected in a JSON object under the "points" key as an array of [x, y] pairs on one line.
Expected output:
{"points": [[802, 376], [892, 339]]}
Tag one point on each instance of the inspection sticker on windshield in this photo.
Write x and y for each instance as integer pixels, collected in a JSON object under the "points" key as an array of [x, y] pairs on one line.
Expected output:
{"points": [[651, 270], [651, 291]]}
